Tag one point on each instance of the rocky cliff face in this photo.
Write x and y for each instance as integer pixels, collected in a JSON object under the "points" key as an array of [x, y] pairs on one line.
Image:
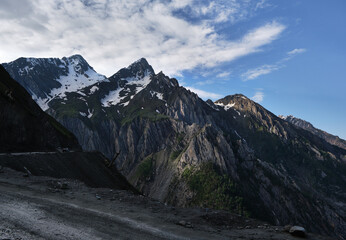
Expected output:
{"points": [[232, 154], [24, 126], [335, 140]]}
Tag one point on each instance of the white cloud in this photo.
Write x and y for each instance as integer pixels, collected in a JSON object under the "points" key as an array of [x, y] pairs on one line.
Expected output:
{"points": [[223, 74], [203, 94], [266, 69], [256, 72], [296, 51], [262, 4], [113, 34], [258, 97]]}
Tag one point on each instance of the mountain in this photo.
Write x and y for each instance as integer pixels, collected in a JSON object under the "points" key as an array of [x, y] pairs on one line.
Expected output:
{"points": [[230, 154], [49, 78], [32, 141], [24, 126], [335, 140]]}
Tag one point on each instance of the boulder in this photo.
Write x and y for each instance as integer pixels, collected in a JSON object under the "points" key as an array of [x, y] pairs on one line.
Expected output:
{"points": [[297, 231]]}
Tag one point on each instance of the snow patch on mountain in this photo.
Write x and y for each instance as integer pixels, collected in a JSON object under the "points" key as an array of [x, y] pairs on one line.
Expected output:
{"points": [[140, 82], [43, 103], [157, 94], [75, 81], [74, 75], [226, 107], [25, 70], [90, 113], [113, 97], [93, 89]]}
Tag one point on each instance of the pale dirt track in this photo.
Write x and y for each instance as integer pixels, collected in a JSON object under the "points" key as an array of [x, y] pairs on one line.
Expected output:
{"points": [[34, 208]]}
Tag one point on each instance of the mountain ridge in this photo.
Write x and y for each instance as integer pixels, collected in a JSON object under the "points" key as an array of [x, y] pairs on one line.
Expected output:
{"points": [[330, 138]]}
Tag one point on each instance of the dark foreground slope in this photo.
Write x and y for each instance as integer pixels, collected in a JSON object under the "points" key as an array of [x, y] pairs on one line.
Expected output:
{"points": [[24, 126], [88, 167]]}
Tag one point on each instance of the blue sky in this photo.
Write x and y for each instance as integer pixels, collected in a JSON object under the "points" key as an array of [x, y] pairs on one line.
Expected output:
{"points": [[290, 56]]}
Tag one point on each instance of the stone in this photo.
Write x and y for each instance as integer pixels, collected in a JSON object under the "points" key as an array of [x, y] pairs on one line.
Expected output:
{"points": [[185, 224], [297, 231]]}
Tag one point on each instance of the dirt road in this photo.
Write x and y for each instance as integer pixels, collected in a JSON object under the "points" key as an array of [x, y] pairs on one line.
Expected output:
{"points": [[47, 208]]}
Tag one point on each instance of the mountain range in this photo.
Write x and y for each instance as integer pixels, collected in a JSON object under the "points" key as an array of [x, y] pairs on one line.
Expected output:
{"points": [[174, 147]]}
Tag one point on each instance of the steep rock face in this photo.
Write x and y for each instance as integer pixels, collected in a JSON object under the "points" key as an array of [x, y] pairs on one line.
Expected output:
{"points": [[232, 154], [24, 126], [335, 140]]}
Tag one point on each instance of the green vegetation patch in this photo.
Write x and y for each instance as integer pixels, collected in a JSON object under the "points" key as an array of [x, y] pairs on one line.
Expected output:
{"points": [[213, 190], [132, 112], [180, 137], [175, 154], [145, 168], [71, 109]]}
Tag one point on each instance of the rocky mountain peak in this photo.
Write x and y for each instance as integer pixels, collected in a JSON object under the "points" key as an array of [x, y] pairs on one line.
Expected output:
{"points": [[80, 65], [237, 101], [49, 78], [162, 79], [141, 68]]}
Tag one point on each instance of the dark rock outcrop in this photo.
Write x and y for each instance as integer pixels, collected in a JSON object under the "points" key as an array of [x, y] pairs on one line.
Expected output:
{"points": [[24, 126]]}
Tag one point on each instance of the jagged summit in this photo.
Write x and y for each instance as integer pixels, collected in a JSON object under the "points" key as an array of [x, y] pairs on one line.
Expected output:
{"points": [[232, 98], [236, 101], [49, 78], [76, 56], [141, 67]]}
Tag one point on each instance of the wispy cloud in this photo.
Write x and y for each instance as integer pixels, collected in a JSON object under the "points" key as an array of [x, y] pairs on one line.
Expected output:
{"points": [[223, 74], [206, 82], [203, 94], [262, 4], [230, 11], [266, 69], [256, 72], [296, 51], [112, 34], [258, 97]]}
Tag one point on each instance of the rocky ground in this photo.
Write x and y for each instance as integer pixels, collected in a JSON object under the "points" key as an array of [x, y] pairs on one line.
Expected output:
{"points": [[34, 207]]}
